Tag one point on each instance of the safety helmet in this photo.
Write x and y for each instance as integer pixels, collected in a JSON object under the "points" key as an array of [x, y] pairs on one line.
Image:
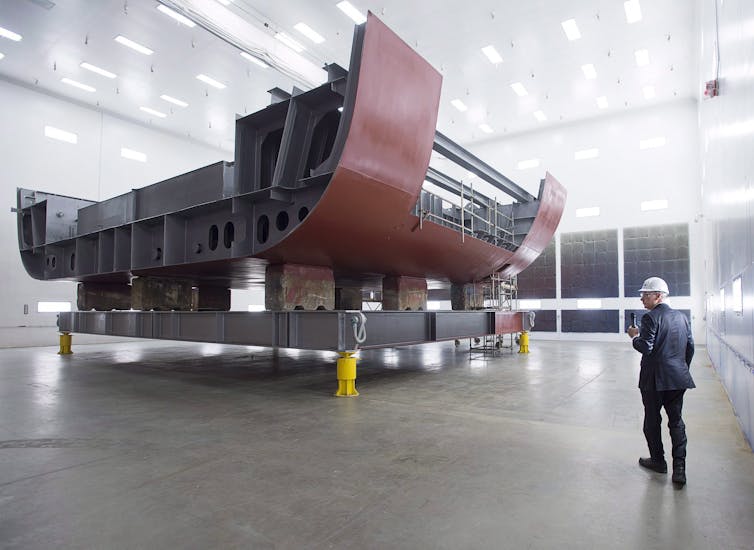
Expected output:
{"points": [[655, 284]]}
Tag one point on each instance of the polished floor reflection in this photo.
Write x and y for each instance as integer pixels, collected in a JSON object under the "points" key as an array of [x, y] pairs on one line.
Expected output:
{"points": [[163, 444]]}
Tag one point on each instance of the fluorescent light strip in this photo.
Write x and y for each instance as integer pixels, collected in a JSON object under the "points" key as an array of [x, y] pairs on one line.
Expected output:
{"points": [[290, 42], [153, 112], [525, 164], [737, 296], [2, 55], [589, 212], [657, 204], [652, 143], [78, 85], [120, 39], [519, 89], [132, 155], [486, 128], [648, 91], [211, 81], [460, 105], [492, 54], [352, 12], [633, 11], [540, 116], [642, 57], [100, 71], [53, 307], [61, 135], [589, 71], [530, 304], [571, 29], [308, 32], [173, 100], [602, 102], [585, 154], [254, 60], [183, 20], [10, 35], [589, 303]]}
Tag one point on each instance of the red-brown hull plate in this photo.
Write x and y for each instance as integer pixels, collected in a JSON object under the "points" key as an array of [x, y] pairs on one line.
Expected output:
{"points": [[362, 224]]}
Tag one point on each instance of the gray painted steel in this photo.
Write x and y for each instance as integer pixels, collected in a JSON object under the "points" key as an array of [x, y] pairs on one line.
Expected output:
{"points": [[319, 330]]}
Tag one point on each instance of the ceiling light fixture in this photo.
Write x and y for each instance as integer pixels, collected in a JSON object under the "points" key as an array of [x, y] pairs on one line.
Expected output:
{"points": [[460, 105], [519, 89], [590, 212], [589, 71], [290, 42], [642, 57], [633, 11], [183, 20], [585, 154], [2, 55], [525, 164], [352, 12], [652, 143], [120, 39], [78, 85], [173, 100], [571, 29], [61, 135], [486, 128], [602, 102], [254, 60], [211, 81], [492, 54], [133, 155], [10, 35], [540, 116], [657, 204], [153, 112], [648, 91], [308, 32], [100, 71]]}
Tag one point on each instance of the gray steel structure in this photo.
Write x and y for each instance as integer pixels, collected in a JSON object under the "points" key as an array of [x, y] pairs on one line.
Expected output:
{"points": [[322, 330]]}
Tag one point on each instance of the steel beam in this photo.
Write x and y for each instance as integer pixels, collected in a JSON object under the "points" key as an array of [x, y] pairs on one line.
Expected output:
{"points": [[319, 330]]}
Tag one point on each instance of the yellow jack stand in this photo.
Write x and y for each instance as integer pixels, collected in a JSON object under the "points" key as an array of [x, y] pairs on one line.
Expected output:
{"points": [[65, 343], [346, 375], [523, 342]]}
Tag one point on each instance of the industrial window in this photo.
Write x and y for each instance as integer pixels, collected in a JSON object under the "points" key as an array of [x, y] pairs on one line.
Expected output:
{"points": [[53, 307]]}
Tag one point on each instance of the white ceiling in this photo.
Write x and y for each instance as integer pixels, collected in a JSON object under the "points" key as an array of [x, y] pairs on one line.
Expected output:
{"points": [[449, 34]]}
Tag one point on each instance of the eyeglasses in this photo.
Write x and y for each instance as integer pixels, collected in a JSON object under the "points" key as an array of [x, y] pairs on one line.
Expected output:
{"points": [[643, 294]]}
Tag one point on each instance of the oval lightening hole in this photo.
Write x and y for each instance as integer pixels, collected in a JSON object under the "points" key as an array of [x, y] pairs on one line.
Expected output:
{"points": [[214, 236], [263, 229], [282, 220], [229, 234]]}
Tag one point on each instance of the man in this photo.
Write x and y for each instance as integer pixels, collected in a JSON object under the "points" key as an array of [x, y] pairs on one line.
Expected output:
{"points": [[667, 347]]}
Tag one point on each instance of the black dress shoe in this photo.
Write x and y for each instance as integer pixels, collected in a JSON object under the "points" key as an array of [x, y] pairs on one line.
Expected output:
{"points": [[659, 466], [679, 472]]}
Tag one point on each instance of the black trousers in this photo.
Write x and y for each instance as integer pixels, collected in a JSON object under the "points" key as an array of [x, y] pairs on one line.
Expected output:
{"points": [[654, 401]]}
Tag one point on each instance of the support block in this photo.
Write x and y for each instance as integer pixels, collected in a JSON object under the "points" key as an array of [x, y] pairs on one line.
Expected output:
{"points": [[103, 296], [292, 286], [404, 293], [467, 296], [348, 297], [210, 298], [153, 293]]}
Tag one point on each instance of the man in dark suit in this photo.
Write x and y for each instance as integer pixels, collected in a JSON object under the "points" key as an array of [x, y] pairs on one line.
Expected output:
{"points": [[667, 347]]}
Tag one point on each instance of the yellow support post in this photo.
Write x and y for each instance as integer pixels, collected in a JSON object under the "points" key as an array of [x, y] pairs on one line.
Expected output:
{"points": [[65, 343], [523, 342], [346, 375]]}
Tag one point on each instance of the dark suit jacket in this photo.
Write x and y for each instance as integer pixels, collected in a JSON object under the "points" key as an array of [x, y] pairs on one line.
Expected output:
{"points": [[667, 346]]}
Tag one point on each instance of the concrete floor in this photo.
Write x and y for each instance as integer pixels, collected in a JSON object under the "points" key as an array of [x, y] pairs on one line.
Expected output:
{"points": [[170, 445]]}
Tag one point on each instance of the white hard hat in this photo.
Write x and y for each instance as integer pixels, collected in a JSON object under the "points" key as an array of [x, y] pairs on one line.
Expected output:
{"points": [[655, 284]]}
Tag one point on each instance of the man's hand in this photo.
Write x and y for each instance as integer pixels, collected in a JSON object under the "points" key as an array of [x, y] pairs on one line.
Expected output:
{"points": [[633, 332]]}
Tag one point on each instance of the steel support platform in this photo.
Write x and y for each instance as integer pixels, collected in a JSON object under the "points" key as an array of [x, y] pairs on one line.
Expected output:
{"points": [[316, 330]]}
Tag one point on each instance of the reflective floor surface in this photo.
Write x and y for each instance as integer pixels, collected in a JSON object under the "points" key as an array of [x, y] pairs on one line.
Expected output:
{"points": [[172, 445]]}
